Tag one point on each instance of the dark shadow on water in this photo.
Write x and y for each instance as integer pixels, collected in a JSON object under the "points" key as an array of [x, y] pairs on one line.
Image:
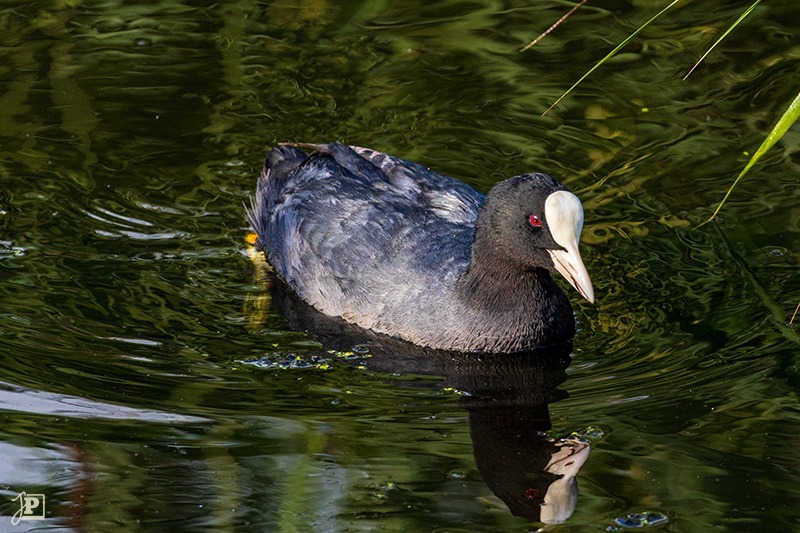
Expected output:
{"points": [[507, 398]]}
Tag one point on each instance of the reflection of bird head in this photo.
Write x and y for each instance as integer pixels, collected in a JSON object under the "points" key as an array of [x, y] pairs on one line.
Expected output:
{"points": [[562, 495], [532, 473]]}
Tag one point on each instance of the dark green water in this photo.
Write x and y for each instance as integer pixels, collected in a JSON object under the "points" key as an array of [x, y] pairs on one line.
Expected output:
{"points": [[132, 132]]}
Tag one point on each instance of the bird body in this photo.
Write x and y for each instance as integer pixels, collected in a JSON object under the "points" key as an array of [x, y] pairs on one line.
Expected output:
{"points": [[399, 249]]}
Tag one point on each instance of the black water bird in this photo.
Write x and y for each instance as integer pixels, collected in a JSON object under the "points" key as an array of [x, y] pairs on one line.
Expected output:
{"points": [[399, 249]]}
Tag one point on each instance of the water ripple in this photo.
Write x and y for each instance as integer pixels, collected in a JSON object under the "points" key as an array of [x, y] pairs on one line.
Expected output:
{"points": [[14, 398]]}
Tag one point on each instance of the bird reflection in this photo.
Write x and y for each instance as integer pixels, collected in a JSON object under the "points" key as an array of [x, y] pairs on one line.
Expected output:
{"points": [[506, 396], [532, 473]]}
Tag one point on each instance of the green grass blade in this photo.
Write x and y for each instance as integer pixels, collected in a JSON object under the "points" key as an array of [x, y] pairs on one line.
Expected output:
{"points": [[554, 26], [730, 29], [611, 54], [788, 118]]}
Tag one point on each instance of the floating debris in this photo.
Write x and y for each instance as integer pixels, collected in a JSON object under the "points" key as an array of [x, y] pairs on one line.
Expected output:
{"points": [[350, 355], [458, 392], [639, 520], [295, 361], [7, 249], [590, 433], [289, 361]]}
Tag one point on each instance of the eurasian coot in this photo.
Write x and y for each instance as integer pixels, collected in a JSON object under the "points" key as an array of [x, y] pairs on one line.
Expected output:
{"points": [[397, 248]]}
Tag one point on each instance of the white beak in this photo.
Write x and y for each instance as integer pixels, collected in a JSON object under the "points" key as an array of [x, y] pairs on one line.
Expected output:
{"points": [[564, 215]]}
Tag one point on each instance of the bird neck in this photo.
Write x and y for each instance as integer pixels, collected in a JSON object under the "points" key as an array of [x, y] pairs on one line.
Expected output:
{"points": [[498, 283], [495, 275], [505, 295]]}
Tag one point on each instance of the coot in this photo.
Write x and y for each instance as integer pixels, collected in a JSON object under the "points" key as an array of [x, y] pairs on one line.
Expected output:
{"points": [[399, 249]]}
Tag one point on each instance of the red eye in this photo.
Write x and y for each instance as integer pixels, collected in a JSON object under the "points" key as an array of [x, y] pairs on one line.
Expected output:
{"points": [[534, 221]]}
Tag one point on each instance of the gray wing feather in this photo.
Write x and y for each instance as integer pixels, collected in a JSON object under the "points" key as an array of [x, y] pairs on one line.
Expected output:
{"points": [[344, 228]]}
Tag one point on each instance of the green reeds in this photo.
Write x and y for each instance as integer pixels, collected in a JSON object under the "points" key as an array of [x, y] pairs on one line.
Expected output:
{"points": [[789, 117], [721, 37], [611, 54]]}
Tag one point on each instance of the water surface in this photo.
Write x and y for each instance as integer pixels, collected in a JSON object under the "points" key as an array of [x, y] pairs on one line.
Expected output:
{"points": [[132, 133]]}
